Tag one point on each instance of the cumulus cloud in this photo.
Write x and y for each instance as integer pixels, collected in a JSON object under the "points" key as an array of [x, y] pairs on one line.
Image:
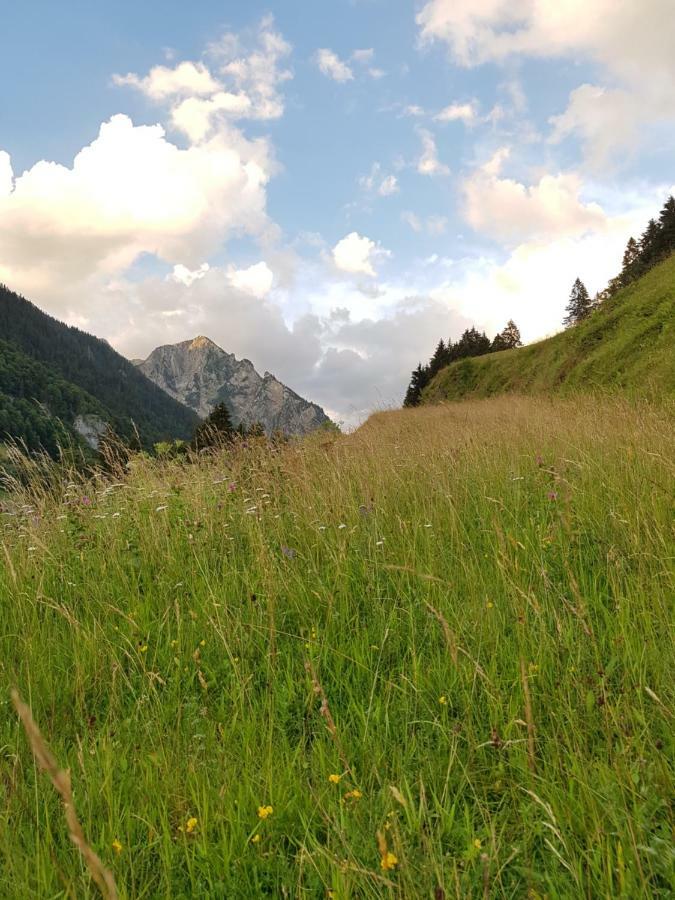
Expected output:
{"points": [[131, 191], [632, 42], [428, 162], [186, 79], [6, 174], [256, 280], [239, 82], [332, 66], [357, 254], [183, 275], [510, 211]]}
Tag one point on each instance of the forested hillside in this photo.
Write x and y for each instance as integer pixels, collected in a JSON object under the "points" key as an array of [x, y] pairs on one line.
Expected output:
{"points": [[626, 343], [51, 371]]}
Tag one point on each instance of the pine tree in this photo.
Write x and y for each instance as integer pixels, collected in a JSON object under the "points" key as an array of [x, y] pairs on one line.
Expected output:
{"points": [[418, 381], [579, 305], [667, 227], [214, 429], [437, 361], [508, 339]]}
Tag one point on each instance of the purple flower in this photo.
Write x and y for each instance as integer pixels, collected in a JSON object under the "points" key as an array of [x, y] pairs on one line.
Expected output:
{"points": [[552, 495], [86, 501], [288, 552], [232, 487]]}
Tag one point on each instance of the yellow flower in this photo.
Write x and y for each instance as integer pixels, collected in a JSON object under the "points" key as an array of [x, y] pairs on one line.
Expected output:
{"points": [[490, 604], [117, 846], [478, 843], [353, 795], [202, 643], [255, 839], [190, 825], [443, 700], [174, 643], [334, 779], [144, 648], [389, 860], [264, 812]]}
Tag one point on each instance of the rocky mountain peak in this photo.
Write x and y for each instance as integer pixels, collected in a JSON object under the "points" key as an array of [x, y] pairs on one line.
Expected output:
{"points": [[201, 374]]}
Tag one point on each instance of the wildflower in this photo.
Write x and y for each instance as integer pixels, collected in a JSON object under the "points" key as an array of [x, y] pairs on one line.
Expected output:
{"points": [[117, 846], [202, 643], [264, 812], [288, 552], [552, 495], [255, 839], [143, 648], [389, 860], [232, 487], [490, 604], [334, 779], [190, 825], [353, 795], [443, 700], [174, 643], [86, 501], [477, 843]]}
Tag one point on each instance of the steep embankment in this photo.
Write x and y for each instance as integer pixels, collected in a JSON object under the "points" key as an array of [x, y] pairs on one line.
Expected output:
{"points": [[628, 344]]}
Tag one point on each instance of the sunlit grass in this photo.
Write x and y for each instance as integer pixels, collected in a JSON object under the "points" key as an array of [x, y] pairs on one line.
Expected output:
{"points": [[431, 659]]}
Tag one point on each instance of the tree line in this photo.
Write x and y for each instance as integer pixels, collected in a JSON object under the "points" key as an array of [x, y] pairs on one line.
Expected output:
{"points": [[471, 343], [656, 243]]}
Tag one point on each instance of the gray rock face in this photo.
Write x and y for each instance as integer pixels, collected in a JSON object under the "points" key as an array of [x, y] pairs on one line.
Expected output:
{"points": [[200, 374], [90, 428]]}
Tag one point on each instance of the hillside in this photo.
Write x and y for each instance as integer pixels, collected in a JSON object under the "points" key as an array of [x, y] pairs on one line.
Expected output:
{"points": [[50, 370], [201, 375], [627, 344], [428, 659]]}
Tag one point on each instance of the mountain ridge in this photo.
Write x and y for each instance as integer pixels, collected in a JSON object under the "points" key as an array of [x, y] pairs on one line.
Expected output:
{"points": [[200, 374]]}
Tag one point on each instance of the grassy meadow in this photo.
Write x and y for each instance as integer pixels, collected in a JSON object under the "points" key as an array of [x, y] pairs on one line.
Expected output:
{"points": [[431, 659]]}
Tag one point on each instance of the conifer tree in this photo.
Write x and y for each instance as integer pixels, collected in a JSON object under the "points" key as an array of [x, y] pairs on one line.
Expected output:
{"points": [[214, 429], [508, 339], [418, 382], [579, 305]]}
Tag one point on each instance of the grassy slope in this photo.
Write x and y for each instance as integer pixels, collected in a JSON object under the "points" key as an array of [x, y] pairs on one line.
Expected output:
{"points": [[629, 344], [166, 641]]}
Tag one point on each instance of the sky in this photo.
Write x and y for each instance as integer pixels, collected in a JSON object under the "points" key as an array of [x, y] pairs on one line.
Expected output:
{"points": [[328, 187]]}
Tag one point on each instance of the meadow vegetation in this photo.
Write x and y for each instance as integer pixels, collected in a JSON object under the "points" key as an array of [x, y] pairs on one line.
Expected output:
{"points": [[428, 659]]}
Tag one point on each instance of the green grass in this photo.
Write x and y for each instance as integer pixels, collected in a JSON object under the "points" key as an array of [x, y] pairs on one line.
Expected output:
{"points": [[626, 346], [482, 593]]}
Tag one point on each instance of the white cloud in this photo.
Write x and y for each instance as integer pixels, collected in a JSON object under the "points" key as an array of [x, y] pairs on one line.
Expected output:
{"points": [[388, 186], [631, 41], [510, 211], [186, 79], [255, 280], [433, 225], [186, 276], [363, 56], [332, 66], [457, 112], [429, 163], [6, 174], [378, 182], [240, 83], [357, 254], [131, 191]]}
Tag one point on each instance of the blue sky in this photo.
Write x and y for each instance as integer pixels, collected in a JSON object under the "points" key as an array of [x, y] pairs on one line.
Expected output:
{"points": [[327, 187]]}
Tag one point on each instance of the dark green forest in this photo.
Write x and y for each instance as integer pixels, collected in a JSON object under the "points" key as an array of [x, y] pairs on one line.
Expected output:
{"points": [[51, 372]]}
